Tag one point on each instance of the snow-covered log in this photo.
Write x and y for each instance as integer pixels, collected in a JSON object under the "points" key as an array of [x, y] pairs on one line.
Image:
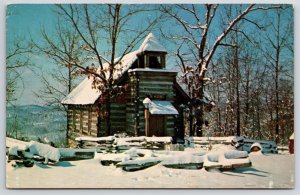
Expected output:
{"points": [[21, 150], [96, 139], [108, 159], [68, 154], [183, 161], [226, 157], [139, 164], [131, 154], [44, 150], [245, 145], [123, 143]]}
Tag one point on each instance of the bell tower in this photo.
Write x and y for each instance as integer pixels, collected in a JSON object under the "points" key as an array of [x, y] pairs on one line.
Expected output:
{"points": [[152, 80], [152, 54]]}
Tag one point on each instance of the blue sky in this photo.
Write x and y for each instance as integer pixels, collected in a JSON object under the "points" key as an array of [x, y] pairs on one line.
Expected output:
{"points": [[27, 20], [23, 21]]}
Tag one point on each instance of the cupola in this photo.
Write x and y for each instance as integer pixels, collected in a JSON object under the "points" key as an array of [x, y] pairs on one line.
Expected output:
{"points": [[151, 54]]}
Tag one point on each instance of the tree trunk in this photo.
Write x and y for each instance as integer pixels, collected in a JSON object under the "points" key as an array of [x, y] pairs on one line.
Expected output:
{"points": [[238, 112], [108, 114], [99, 118], [200, 111], [277, 80]]}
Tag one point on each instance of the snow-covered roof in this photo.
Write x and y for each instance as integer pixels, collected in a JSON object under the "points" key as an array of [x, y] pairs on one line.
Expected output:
{"points": [[151, 44], [151, 70], [124, 65], [162, 107], [85, 94]]}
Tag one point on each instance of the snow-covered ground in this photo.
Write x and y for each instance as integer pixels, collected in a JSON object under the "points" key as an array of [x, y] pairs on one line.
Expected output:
{"points": [[267, 171]]}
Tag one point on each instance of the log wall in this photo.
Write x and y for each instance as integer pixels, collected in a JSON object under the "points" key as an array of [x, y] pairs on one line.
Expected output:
{"points": [[83, 120], [145, 83]]}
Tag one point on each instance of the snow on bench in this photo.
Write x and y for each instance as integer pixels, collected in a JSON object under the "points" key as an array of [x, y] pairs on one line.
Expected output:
{"points": [[95, 139], [159, 139], [132, 139]]}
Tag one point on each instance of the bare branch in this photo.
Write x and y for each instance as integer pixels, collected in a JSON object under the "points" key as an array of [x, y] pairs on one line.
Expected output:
{"points": [[228, 45], [252, 22]]}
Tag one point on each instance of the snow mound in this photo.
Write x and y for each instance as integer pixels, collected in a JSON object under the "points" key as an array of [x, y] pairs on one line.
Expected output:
{"points": [[134, 152], [256, 153], [114, 157], [183, 159], [13, 150], [224, 156], [221, 157], [256, 147], [46, 151], [222, 147], [10, 142], [235, 154]]}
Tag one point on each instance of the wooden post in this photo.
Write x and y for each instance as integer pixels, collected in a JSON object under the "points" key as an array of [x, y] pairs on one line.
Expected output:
{"points": [[147, 121]]}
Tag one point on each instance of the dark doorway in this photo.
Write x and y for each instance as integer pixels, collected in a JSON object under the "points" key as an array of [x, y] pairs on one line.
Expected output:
{"points": [[157, 125]]}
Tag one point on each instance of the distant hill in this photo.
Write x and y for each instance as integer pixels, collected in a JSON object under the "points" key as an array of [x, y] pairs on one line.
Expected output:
{"points": [[33, 122], [33, 108]]}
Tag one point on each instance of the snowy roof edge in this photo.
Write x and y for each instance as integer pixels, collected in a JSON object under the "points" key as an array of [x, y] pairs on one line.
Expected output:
{"points": [[151, 70]]}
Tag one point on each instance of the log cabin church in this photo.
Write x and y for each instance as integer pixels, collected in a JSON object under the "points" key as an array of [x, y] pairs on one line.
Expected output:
{"points": [[151, 104]]}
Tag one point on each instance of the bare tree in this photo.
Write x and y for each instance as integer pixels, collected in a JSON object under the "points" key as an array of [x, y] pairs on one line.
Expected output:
{"points": [[59, 49], [279, 41], [17, 57], [199, 40]]}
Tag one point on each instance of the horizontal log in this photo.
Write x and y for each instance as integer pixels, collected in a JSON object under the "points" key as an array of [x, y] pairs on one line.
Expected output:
{"points": [[131, 166], [185, 166], [156, 88], [68, 154]]}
